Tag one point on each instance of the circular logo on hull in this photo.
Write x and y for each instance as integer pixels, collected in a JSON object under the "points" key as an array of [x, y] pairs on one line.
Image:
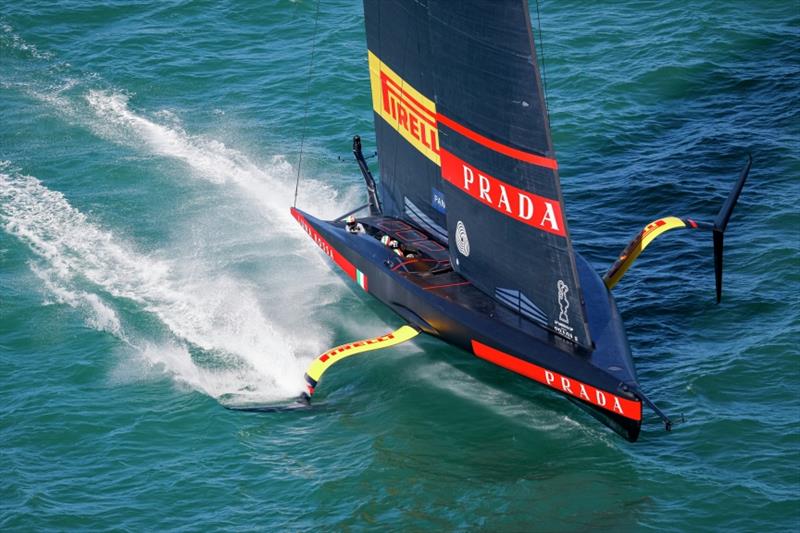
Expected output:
{"points": [[462, 241]]}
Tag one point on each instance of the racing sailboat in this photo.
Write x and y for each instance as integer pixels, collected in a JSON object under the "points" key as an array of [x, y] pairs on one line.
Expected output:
{"points": [[465, 235]]}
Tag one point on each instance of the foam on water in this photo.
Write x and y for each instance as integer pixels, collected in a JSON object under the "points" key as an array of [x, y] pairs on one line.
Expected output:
{"points": [[107, 113], [97, 313], [254, 356], [271, 186], [88, 268], [11, 39], [82, 265], [513, 408]]}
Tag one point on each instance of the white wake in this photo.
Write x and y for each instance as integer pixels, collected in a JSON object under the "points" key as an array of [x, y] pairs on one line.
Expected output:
{"points": [[90, 269], [271, 185], [225, 335]]}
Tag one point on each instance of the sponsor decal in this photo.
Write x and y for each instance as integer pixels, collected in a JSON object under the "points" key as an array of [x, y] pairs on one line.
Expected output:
{"points": [[462, 240], [347, 347], [319, 365], [407, 110], [537, 211], [437, 200], [561, 325], [349, 268], [563, 303], [605, 400], [643, 236], [414, 116]]}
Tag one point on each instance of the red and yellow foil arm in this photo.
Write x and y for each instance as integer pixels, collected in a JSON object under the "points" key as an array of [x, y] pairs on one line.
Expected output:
{"points": [[640, 242], [334, 355]]}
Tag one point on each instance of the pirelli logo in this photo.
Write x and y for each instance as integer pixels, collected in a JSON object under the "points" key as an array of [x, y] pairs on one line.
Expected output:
{"points": [[415, 118], [404, 108]]}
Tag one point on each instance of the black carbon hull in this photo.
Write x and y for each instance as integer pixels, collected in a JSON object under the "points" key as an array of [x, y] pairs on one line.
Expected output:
{"points": [[435, 299]]}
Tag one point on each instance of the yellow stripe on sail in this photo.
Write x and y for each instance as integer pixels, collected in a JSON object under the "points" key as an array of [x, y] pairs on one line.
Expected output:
{"points": [[637, 246], [334, 355]]}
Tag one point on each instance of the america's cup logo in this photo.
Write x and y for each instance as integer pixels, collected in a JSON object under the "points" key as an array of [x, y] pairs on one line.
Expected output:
{"points": [[563, 302]]}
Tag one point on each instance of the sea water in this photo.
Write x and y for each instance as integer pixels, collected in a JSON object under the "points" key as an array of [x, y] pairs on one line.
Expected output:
{"points": [[150, 273]]}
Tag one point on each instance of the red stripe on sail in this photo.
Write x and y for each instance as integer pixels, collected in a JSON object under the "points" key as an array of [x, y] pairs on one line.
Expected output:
{"points": [[496, 146], [603, 399], [537, 211]]}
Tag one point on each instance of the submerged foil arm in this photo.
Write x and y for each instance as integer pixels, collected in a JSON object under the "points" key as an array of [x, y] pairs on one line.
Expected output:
{"points": [[334, 355]]}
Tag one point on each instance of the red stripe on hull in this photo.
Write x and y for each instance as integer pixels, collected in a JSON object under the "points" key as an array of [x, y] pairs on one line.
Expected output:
{"points": [[329, 250], [600, 398]]}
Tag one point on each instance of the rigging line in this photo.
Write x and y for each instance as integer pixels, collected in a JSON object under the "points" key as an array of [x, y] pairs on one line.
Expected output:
{"points": [[544, 67], [305, 112]]}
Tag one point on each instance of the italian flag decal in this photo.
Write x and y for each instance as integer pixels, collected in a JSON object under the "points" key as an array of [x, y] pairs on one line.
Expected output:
{"points": [[361, 279]]}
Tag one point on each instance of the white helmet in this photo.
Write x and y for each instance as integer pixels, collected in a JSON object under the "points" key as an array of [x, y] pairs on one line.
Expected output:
{"points": [[385, 240], [350, 220]]}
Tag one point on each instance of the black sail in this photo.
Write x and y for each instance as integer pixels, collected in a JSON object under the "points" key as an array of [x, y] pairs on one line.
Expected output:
{"points": [[405, 114], [487, 172]]}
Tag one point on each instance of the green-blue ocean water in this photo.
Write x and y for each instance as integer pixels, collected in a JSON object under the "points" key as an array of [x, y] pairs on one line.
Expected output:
{"points": [[149, 271]]}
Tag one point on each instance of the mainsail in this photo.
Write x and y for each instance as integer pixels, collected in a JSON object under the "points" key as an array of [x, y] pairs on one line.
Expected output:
{"points": [[465, 149], [402, 80]]}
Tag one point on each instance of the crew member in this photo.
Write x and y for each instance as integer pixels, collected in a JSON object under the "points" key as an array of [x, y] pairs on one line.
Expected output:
{"points": [[353, 226], [395, 246]]}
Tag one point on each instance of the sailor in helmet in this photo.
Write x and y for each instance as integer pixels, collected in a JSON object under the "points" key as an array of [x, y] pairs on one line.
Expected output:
{"points": [[353, 226], [395, 246]]}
